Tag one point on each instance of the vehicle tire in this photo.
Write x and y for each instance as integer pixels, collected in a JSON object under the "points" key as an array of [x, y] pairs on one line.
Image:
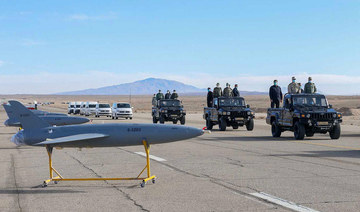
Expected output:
{"points": [[250, 125], [116, 117], [182, 120], [131, 118], [309, 134], [155, 120], [222, 124], [126, 118], [299, 131], [235, 127], [275, 130], [175, 122], [209, 124], [335, 132], [162, 119]]}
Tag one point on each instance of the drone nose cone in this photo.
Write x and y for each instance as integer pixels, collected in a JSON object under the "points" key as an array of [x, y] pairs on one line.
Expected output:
{"points": [[194, 132], [83, 120]]}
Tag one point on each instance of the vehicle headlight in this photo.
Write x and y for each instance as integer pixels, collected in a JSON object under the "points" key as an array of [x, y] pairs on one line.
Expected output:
{"points": [[308, 116], [249, 113], [223, 113], [183, 111], [228, 113], [334, 115]]}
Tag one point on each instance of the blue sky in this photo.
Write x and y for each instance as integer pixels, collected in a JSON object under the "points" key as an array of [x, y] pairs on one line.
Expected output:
{"points": [[48, 47]]}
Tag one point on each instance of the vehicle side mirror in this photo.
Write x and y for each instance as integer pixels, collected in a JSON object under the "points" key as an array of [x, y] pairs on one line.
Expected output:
{"points": [[330, 106], [247, 106]]}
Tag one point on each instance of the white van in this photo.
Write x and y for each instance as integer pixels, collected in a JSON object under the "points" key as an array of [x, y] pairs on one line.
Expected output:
{"points": [[123, 110], [71, 107], [90, 108], [102, 109], [82, 108], [77, 107]]}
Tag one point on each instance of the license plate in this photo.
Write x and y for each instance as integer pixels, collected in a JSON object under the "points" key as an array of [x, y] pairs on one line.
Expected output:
{"points": [[321, 123], [239, 119]]}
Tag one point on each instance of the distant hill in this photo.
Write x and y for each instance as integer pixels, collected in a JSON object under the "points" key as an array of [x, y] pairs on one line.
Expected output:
{"points": [[146, 87]]}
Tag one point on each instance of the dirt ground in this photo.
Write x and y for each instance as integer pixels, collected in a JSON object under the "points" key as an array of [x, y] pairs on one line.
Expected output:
{"points": [[348, 105]]}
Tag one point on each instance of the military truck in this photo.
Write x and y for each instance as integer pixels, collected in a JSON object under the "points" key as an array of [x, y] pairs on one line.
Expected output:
{"points": [[305, 115], [229, 111], [168, 110]]}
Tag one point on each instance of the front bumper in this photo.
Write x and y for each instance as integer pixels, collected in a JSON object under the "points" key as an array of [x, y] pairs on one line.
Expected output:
{"points": [[320, 125], [124, 115]]}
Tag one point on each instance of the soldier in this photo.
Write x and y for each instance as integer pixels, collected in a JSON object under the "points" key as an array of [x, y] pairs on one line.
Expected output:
{"points": [[174, 95], [210, 98], [159, 95], [235, 91], [167, 95], [217, 91], [275, 95], [154, 100], [294, 87], [227, 91], [310, 86]]}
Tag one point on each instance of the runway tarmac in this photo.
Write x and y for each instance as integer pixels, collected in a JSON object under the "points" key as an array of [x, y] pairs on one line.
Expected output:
{"points": [[235, 170]]}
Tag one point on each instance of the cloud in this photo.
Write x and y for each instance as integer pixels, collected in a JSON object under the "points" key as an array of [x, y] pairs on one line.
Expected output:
{"points": [[47, 83], [84, 17]]}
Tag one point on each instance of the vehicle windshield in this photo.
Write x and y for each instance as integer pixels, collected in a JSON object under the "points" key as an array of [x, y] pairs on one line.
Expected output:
{"points": [[92, 106], [77, 106], [171, 103], [123, 105], [232, 102], [104, 106], [319, 101], [71, 106]]}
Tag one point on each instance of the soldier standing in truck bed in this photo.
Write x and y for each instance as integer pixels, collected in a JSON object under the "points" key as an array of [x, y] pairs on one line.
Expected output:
{"points": [[167, 95], [154, 100], [310, 86], [210, 98], [217, 91], [159, 95], [275, 95], [174, 95], [227, 91], [294, 87], [235, 91]]}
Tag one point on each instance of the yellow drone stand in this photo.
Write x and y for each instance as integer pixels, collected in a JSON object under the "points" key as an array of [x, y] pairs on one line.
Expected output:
{"points": [[58, 178]]}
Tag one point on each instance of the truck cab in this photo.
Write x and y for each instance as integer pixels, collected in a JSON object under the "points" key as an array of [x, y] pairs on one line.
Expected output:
{"points": [[229, 111], [77, 107], [168, 110], [305, 115]]}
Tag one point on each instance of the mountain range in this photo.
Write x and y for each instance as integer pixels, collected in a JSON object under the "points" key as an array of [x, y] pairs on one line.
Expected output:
{"points": [[147, 87]]}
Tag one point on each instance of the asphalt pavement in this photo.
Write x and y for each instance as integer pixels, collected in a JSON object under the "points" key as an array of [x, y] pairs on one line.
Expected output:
{"points": [[235, 170]]}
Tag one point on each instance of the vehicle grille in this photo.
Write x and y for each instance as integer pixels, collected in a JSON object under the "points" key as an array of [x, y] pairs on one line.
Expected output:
{"points": [[174, 112], [124, 111], [322, 116], [239, 113]]}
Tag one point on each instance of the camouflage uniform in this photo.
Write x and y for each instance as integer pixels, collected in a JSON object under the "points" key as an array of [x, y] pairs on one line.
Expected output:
{"points": [[154, 101], [228, 92], [310, 87], [159, 96], [217, 92], [294, 88], [174, 95]]}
